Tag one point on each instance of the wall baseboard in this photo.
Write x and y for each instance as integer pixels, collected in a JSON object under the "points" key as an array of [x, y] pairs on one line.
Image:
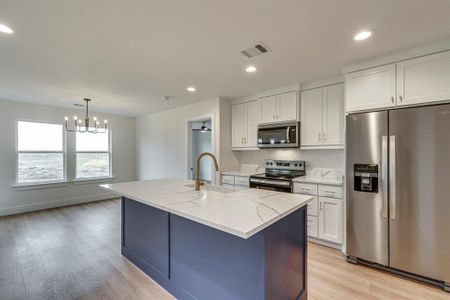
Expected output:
{"points": [[12, 210]]}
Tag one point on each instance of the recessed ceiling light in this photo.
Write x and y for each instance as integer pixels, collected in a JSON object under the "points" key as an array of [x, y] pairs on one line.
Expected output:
{"points": [[365, 34], [5, 29], [251, 69], [191, 89]]}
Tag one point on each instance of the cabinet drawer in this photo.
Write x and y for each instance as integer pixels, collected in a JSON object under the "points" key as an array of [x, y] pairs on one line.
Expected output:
{"points": [[241, 181], [330, 191], [312, 226], [312, 207], [228, 179], [305, 188]]}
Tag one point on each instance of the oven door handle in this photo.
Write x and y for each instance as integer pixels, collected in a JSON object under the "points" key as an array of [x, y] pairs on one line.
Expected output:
{"points": [[287, 134]]}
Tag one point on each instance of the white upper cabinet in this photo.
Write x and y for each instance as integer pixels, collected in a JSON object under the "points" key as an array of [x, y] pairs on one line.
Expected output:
{"points": [[287, 107], [279, 108], [253, 119], [311, 117], [322, 117], [238, 125], [370, 89], [245, 118], [269, 109], [411, 82], [424, 79], [333, 115]]}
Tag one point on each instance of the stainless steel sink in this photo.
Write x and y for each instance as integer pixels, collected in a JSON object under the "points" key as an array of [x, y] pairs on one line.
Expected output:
{"points": [[214, 188]]}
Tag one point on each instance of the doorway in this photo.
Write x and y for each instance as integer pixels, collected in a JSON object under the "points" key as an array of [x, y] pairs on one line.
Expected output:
{"points": [[201, 141]]}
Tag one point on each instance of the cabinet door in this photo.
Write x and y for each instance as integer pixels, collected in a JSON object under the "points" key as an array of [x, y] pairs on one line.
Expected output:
{"points": [[370, 89], [253, 119], [424, 79], [238, 125], [269, 109], [333, 115], [311, 117], [330, 219], [287, 107]]}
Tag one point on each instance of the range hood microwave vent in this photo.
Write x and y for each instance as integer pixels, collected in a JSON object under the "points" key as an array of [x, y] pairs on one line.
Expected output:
{"points": [[257, 49]]}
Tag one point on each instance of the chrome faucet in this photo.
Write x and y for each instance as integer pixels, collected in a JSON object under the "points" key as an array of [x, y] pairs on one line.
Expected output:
{"points": [[197, 171]]}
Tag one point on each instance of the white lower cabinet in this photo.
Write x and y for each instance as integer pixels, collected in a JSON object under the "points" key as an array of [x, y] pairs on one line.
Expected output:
{"points": [[330, 219], [312, 226], [325, 211]]}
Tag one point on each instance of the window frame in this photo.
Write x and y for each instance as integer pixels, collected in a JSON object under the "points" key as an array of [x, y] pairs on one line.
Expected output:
{"points": [[109, 152], [63, 151]]}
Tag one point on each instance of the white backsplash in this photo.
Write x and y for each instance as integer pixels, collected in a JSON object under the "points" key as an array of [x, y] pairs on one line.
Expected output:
{"points": [[315, 159], [325, 173]]}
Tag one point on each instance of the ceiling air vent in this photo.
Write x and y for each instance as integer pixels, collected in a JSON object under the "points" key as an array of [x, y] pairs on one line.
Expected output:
{"points": [[257, 49]]}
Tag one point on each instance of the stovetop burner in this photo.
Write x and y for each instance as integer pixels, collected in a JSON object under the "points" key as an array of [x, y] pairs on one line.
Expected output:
{"points": [[282, 170]]}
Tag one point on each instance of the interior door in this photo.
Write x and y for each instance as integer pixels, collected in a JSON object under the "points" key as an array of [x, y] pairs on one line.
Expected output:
{"points": [[367, 222], [420, 191], [333, 115], [311, 117]]}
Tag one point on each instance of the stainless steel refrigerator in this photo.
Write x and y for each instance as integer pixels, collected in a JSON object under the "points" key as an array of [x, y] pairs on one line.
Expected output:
{"points": [[398, 190]]}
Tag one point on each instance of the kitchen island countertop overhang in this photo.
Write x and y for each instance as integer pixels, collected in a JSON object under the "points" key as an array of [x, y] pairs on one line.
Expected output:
{"points": [[216, 243], [241, 212]]}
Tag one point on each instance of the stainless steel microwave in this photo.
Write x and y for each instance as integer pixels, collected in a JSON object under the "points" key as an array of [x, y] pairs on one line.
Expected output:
{"points": [[282, 135]]}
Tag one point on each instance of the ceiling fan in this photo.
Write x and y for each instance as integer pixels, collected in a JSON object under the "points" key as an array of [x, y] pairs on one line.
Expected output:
{"points": [[202, 129]]}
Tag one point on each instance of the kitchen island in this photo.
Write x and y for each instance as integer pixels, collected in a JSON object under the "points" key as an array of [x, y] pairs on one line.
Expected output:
{"points": [[216, 243]]}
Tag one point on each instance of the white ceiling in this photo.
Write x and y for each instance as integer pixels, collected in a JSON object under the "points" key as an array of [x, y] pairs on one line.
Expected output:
{"points": [[128, 54]]}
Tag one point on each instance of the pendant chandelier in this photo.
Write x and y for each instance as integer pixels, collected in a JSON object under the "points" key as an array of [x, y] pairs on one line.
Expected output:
{"points": [[203, 129], [85, 124]]}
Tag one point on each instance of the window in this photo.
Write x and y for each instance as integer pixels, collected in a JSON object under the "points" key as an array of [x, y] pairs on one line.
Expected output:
{"points": [[40, 152], [93, 155]]}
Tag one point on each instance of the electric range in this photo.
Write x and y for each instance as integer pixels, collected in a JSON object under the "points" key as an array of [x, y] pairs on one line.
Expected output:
{"points": [[279, 175]]}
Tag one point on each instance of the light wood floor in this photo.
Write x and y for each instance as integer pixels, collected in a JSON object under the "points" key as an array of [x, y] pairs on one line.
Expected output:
{"points": [[74, 253]]}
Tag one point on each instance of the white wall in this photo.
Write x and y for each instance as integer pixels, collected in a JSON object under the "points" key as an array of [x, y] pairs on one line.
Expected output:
{"points": [[333, 159], [162, 143], [15, 200]]}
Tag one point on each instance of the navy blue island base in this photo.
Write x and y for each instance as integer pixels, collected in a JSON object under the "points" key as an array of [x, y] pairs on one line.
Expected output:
{"points": [[194, 261]]}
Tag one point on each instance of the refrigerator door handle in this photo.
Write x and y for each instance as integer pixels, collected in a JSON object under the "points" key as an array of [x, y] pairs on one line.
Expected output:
{"points": [[392, 174], [384, 175]]}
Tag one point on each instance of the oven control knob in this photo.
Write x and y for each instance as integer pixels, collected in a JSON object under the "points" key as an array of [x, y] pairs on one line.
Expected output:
{"points": [[295, 165], [267, 163]]}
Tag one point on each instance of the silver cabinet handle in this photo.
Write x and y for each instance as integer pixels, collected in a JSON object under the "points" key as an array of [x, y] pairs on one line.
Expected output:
{"points": [[324, 136], [321, 203], [392, 99], [400, 97], [384, 176], [392, 173], [319, 136], [287, 134]]}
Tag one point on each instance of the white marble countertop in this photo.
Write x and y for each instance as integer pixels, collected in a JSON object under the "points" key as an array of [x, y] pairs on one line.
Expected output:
{"points": [[242, 213], [241, 173], [319, 180]]}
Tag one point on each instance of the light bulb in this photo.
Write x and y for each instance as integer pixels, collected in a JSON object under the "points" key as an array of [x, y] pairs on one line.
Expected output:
{"points": [[75, 118], [106, 121], [66, 118], [95, 118], [97, 122], [79, 121]]}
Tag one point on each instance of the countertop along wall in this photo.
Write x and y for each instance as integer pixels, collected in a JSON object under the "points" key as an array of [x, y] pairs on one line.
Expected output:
{"points": [[16, 200], [162, 143]]}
